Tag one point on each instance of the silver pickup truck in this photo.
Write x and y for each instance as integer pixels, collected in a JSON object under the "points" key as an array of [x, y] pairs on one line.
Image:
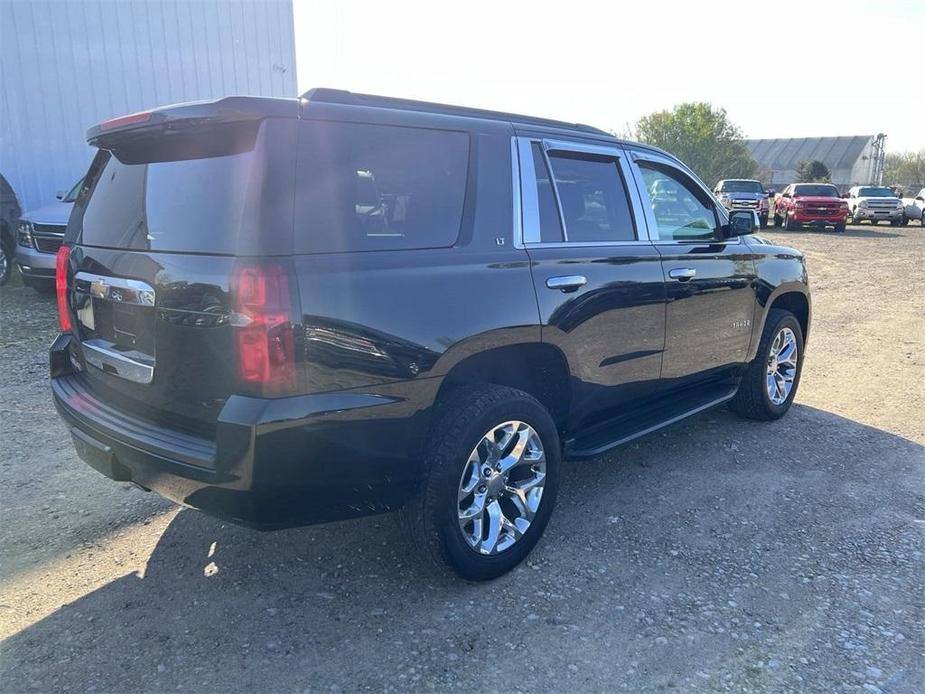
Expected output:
{"points": [[914, 208]]}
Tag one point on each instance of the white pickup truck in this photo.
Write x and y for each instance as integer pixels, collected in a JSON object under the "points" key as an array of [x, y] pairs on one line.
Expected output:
{"points": [[874, 203], [914, 208]]}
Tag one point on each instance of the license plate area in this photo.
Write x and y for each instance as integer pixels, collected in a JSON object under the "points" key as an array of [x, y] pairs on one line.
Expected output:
{"points": [[117, 323]]}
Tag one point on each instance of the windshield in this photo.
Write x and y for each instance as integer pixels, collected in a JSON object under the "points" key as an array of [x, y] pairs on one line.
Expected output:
{"points": [[824, 191], [875, 193], [72, 193], [741, 187]]}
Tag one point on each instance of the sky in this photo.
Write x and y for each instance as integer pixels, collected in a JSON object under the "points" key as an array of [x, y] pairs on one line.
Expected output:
{"points": [[780, 69]]}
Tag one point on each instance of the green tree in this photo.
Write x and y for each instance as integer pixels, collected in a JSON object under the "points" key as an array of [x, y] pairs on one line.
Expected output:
{"points": [[905, 170], [703, 138], [813, 171]]}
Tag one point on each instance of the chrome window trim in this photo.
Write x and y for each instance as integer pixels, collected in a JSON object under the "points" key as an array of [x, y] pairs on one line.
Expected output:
{"points": [[529, 223], [721, 212], [517, 195], [529, 198]]}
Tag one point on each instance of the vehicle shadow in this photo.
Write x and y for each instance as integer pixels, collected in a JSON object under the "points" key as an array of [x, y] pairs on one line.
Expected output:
{"points": [[681, 560]]}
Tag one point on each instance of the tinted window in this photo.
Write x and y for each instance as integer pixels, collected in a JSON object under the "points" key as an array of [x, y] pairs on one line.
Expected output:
{"points": [[825, 191], [741, 187], [194, 205], [682, 211], [592, 197], [876, 193], [376, 187], [550, 224]]}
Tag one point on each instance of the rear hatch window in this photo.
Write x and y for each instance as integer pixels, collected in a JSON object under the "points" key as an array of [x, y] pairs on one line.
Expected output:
{"points": [[193, 205]]}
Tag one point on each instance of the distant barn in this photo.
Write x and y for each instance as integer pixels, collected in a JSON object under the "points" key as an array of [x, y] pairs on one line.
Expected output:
{"points": [[852, 159]]}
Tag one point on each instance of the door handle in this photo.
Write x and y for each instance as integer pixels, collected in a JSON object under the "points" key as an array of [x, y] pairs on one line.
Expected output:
{"points": [[567, 283], [682, 274]]}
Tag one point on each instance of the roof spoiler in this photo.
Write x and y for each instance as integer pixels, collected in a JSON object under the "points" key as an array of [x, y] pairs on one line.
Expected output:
{"points": [[183, 116]]}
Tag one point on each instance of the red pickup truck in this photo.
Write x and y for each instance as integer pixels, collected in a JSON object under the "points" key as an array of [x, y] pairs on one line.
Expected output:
{"points": [[815, 204]]}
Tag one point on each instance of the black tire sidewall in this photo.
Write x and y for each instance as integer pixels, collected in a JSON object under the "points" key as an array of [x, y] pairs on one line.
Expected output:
{"points": [[468, 562], [787, 320]]}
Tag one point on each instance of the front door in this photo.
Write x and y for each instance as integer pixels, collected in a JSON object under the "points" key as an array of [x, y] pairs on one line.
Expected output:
{"points": [[598, 279], [710, 279]]}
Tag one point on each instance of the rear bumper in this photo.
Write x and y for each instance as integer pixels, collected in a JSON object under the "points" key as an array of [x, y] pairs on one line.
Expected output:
{"points": [[274, 462]]}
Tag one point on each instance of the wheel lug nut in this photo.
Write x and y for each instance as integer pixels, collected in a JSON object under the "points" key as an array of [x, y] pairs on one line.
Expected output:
{"points": [[482, 489], [487, 471]]}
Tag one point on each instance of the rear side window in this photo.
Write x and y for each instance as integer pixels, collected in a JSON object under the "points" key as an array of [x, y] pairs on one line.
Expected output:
{"points": [[362, 187], [592, 198], [192, 205]]}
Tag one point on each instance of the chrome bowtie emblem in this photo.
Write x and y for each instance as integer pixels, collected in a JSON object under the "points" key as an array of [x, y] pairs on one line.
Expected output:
{"points": [[115, 295], [98, 288]]}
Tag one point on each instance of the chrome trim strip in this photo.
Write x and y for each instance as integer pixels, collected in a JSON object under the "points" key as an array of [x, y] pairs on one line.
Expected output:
{"points": [[130, 365], [517, 203], [529, 197], [126, 291]]}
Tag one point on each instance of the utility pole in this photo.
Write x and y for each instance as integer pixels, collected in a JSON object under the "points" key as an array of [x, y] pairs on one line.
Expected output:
{"points": [[879, 158]]}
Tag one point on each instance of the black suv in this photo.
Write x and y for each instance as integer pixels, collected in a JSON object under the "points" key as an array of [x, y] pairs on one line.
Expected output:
{"points": [[289, 311]]}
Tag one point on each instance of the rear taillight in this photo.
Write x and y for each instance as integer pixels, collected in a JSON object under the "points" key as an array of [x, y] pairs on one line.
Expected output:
{"points": [[61, 262], [264, 333]]}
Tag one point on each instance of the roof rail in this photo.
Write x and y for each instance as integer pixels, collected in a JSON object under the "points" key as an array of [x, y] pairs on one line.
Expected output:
{"points": [[342, 96]]}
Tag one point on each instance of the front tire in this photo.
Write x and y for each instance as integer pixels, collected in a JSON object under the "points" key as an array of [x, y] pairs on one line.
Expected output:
{"points": [[778, 220], [763, 221], [788, 225], [771, 380], [839, 228], [489, 484]]}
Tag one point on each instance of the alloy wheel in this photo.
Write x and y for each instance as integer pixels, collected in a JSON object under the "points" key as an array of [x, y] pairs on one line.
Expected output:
{"points": [[782, 366], [501, 487]]}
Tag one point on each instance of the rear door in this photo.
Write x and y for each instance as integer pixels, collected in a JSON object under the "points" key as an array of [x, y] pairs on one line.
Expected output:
{"points": [[710, 280], [154, 237], [597, 277]]}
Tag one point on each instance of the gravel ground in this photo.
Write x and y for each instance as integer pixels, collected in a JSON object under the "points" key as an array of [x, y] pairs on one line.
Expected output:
{"points": [[715, 555]]}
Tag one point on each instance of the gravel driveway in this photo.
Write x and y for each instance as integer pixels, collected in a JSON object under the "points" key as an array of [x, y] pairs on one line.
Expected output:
{"points": [[717, 554]]}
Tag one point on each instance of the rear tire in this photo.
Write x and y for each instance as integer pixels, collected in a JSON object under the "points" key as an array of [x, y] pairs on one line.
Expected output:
{"points": [[754, 399], [457, 445]]}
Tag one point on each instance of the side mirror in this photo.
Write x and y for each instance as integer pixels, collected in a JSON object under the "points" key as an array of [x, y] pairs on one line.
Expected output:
{"points": [[60, 194], [920, 198], [742, 222], [846, 196], [785, 195]]}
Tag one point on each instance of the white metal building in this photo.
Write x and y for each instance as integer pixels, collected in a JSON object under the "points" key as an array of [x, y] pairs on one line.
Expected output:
{"points": [[851, 160], [65, 66]]}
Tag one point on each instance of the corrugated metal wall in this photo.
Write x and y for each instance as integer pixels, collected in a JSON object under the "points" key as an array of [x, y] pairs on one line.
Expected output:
{"points": [[67, 65]]}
